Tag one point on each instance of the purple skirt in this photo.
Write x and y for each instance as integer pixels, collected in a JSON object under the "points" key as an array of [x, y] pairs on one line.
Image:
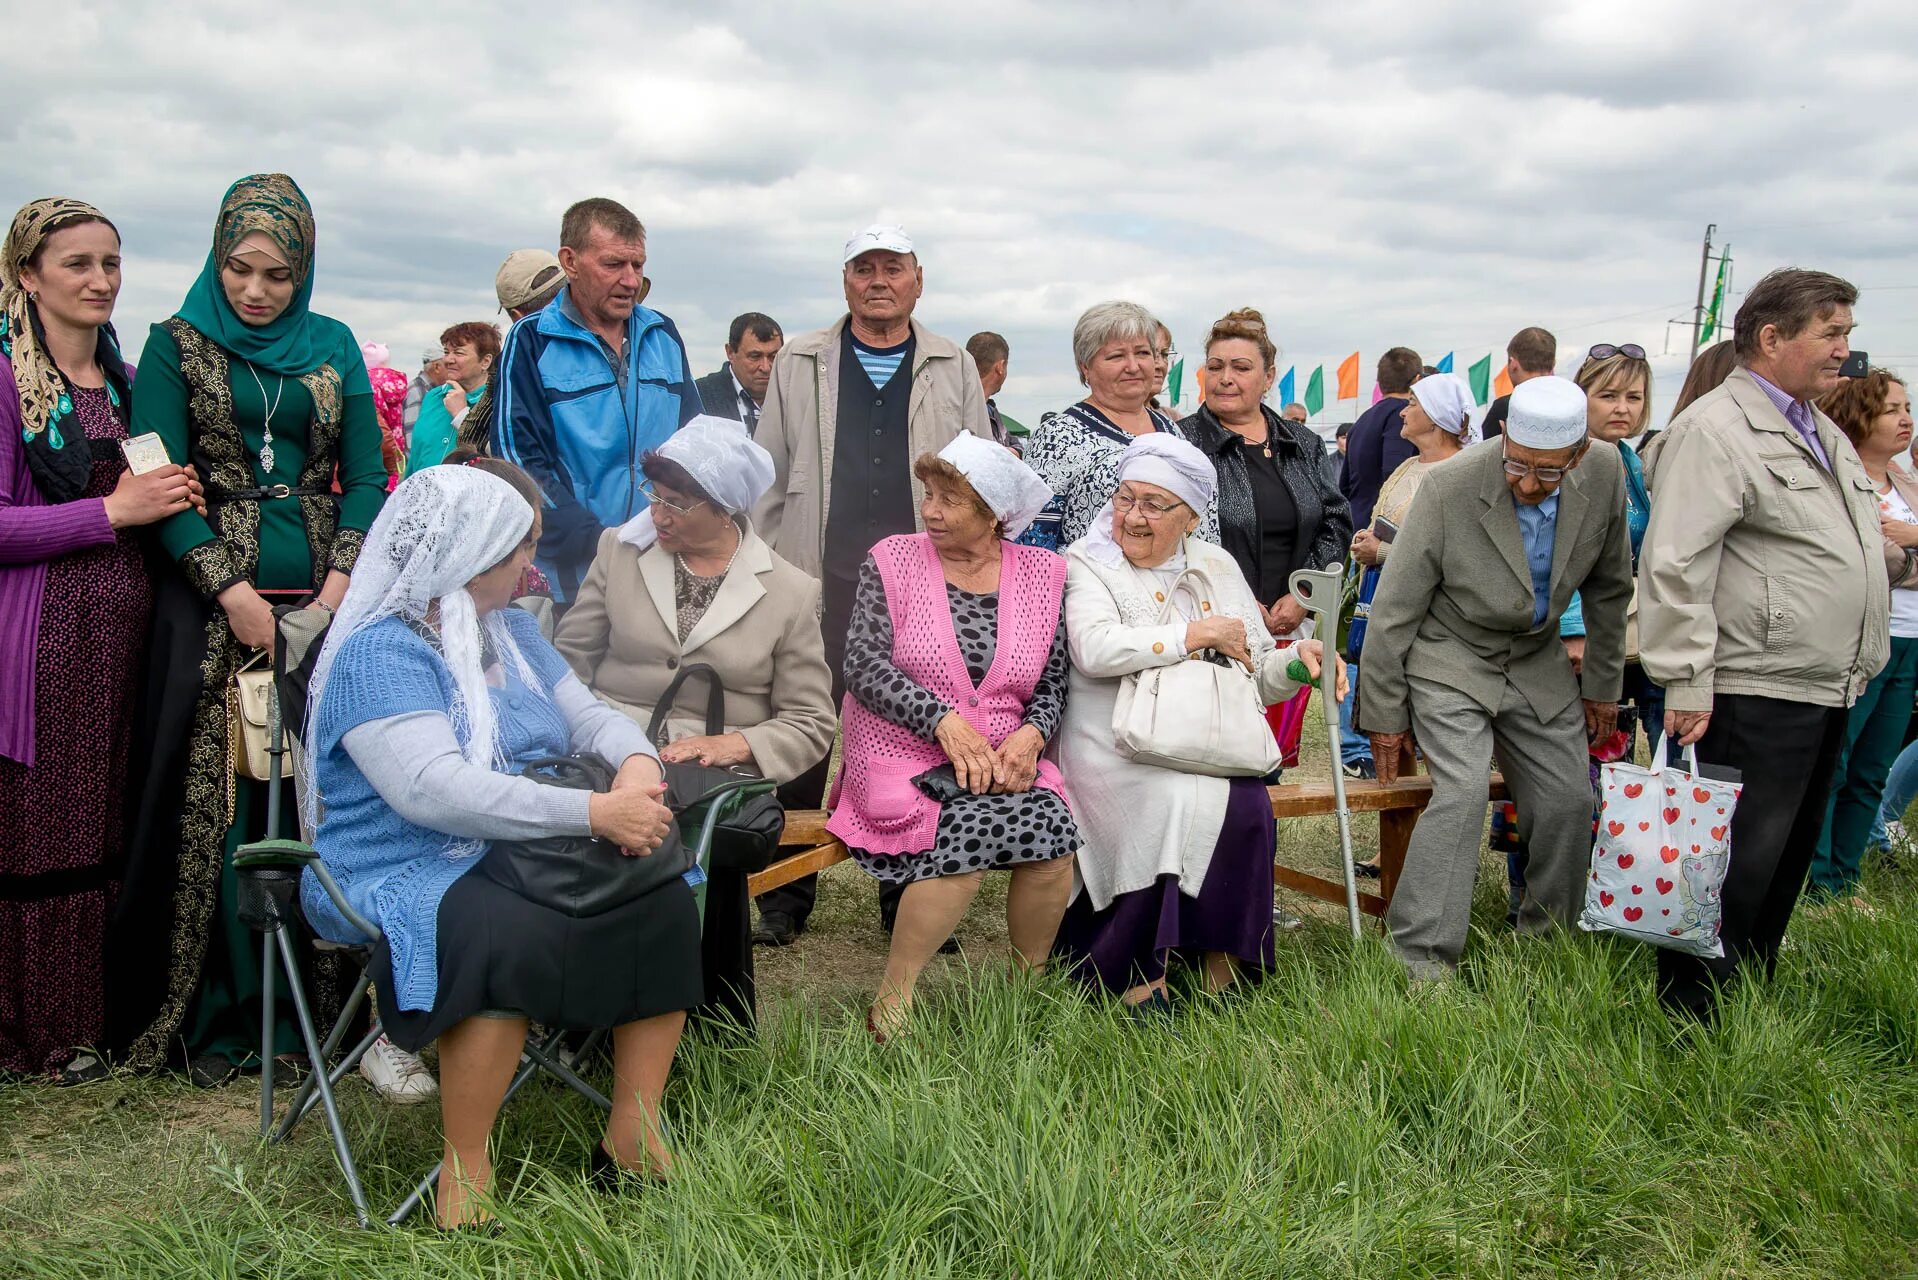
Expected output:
{"points": [[1126, 945]]}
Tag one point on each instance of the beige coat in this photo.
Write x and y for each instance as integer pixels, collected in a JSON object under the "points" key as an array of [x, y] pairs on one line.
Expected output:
{"points": [[761, 633], [1761, 572], [946, 399]]}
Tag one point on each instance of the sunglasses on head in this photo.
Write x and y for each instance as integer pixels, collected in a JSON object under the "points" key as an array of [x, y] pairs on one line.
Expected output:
{"points": [[1606, 350]]}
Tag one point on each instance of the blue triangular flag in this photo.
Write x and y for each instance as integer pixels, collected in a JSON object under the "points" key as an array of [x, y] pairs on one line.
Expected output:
{"points": [[1445, 364], [1285, 387]]}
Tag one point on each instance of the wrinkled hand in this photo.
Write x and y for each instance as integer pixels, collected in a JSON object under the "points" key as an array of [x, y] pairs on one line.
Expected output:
{"points": [[1392, 755], [632, 817], [1575, 650], [1222, 635], [1601, 720], [1686, 727], [455, 399], [250, 616], [973, 759], [1365, 547], [145, 499], [1312, 654], [1285, 615], [715, 750], [638, 771], [1018, 760], [1900, 533]]}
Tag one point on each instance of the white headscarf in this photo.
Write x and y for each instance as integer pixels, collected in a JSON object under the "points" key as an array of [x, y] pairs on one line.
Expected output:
{"points": [[1447, 401], [1171, 462], [1013, 490], [443, 527], [722, 459]]}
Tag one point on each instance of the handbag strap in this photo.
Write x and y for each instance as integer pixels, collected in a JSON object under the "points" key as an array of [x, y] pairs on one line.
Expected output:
{"points": [[590, 768], [715, 701]]}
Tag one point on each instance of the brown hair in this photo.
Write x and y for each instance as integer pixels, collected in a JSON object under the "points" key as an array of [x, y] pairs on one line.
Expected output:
{"points": [[1244, 325], [1712, 367], [1855, 403], [61, 224], [1535, 350], [576, 227], [661, 469], [931, 467], [1619, 370], [1789, 299], [477, 334], [987, 349], [1398, 370]]}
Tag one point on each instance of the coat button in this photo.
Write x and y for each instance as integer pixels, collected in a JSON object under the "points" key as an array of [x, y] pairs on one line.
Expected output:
{"points": [[1159, 596], [973, 701], [1206, 605], [879, 404], [1158, 646], [671, 663]]}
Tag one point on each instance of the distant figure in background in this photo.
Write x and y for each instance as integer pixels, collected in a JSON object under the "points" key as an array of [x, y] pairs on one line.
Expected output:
{"points": [[738, 391], [524, 284], [389, 405], [1295, 412], [431, 375], [471, 348], [990, 352], [1713, 365], [1163, 354], [1532, 353]]}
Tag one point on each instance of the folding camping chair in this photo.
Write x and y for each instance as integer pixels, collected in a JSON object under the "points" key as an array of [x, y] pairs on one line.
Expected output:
{"points": [[269, 904]]}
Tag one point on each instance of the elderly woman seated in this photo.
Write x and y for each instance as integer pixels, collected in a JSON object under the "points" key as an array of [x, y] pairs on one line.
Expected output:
{"points": [[955, 682], [687, 582], [1173, 860], [428, 699]]}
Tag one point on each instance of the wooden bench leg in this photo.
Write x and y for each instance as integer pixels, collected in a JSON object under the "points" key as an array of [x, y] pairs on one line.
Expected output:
{"points": [[1395, 836]]}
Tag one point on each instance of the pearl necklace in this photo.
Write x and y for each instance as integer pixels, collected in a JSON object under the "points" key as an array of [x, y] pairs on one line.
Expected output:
{"points": [[684, 568]]}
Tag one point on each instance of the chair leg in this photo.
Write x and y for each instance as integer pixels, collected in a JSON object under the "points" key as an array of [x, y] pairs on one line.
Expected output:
{"points": [[548, 1060], [268, 959], [309, 1095], [319, 1077]]}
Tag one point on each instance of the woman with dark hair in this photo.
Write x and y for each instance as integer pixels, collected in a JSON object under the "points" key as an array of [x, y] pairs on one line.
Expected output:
{"points": [[270, 401], [1713, 365], [74, 600]]}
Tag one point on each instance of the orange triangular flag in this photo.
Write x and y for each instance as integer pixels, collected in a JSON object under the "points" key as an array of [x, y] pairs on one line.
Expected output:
{"points": [[1349, 377], [1199, 375], [1502, 385]]}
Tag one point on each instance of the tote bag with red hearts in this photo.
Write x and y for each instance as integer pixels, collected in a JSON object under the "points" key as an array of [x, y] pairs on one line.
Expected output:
{"points": [[1658, 864]]}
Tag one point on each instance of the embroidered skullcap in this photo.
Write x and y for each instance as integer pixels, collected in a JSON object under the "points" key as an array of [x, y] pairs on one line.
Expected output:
{"points": [[727, 465], [1013, 490], [1447, 401], [1173, 464], [1546, 413]]}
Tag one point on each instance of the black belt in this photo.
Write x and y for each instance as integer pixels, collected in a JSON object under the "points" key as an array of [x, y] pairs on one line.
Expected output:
{"points": [[267, 492]]}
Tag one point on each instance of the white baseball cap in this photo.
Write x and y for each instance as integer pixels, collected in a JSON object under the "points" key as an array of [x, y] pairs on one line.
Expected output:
{"points": [[893, 239]]}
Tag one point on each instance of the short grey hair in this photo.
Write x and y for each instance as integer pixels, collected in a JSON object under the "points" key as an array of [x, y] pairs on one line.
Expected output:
{"points": [[1105, 322]]}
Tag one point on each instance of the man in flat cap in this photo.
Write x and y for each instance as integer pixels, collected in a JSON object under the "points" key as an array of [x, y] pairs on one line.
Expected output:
{"points": [[1463, 652]]}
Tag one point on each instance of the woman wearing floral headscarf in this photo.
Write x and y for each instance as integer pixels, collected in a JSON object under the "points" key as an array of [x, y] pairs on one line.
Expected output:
{"points": [[271, 403], [74, 599]]}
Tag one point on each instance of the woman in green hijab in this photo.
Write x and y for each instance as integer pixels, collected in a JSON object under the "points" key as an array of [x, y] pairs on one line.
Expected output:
{"points": [[270, 401]]}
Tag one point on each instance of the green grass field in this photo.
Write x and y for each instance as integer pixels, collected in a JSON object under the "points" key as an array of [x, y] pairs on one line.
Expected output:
{"points": [[1539, 1117]]}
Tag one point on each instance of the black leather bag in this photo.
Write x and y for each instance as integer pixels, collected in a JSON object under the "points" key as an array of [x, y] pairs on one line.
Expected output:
{"points": [[747, 841], [580, 875]]}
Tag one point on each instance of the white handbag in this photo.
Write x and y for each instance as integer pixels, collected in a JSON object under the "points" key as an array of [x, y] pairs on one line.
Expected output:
{"points": [[1195, 716]]}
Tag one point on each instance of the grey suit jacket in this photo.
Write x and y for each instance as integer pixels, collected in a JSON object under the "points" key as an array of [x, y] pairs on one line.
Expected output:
{"points": [[1455, 601]]}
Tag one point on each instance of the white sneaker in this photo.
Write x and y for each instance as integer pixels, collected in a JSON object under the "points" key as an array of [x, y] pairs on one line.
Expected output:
{"points": [[396, 1075]]}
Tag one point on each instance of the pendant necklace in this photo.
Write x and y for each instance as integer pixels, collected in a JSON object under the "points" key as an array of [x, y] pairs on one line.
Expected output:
{"points": [[266, 434]]}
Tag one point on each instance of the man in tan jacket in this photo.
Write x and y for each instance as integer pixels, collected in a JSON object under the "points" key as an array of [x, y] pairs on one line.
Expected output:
{"points": [[1763, 604], [849, 409]]}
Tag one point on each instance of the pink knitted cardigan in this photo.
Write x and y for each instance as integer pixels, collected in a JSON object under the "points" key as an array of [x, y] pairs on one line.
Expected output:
{"points": [[875, 806]]}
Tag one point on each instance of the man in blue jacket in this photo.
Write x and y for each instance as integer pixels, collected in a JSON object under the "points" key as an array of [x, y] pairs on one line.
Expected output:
{"points": [[588, 386]]}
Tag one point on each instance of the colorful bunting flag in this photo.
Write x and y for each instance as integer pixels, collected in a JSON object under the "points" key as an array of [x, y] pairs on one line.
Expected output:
{"points": [[1286, 387], [1378, 393], [1175, 382], [1481, 377], [1716, 310], [1502, 385], [1315, 392], [1349, 377], [1198, 377], [1445, 363]]}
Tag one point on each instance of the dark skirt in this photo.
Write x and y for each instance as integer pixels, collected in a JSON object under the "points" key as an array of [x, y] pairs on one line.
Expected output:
{"points": [[499, 953], [1126, 945]]}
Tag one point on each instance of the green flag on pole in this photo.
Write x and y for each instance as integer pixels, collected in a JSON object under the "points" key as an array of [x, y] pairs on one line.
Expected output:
{"points": [[1175, 381], [1481, 375], [1315, 392], [1712, 313]]}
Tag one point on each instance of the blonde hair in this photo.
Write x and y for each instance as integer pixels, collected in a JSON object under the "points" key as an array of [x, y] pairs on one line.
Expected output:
{"points": [[1244, 325], [1617, 370]]}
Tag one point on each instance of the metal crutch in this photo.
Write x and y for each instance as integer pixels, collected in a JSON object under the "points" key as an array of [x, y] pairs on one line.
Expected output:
{"points": [[1322, 591]]}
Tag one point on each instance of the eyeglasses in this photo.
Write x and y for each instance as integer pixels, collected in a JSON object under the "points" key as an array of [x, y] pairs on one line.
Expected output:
{"points": [[652, 496], [1606, 350], [1125, 504], [1544, 475]]}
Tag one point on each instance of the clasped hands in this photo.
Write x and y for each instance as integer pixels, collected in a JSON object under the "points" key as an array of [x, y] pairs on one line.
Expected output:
{"points": [[632, 814], [979, 767]]}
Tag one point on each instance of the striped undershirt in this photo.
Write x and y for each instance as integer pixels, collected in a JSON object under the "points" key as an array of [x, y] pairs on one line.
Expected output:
{"points": [[880, 363]]}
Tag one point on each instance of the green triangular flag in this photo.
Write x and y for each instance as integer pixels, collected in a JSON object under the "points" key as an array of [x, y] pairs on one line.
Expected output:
{"points": [[1174, 381], [1717, 309], [1315, 392], [1481, 375]]}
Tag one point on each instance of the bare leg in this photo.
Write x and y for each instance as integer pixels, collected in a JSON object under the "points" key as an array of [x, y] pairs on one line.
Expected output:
{"points": [[642, 1059], [1034, 906], [1141, 994], [1221, 971], [477, 1058], [928, 912]]}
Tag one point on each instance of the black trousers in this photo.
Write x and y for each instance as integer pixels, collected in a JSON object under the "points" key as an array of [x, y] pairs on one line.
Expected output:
{"points": [[808, 790], [1786, 752]]}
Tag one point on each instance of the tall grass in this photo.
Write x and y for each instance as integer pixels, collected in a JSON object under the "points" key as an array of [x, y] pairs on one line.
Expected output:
{"points": [[1538, 1117]]}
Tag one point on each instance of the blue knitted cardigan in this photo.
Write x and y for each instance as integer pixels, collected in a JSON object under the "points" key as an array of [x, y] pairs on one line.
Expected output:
{"points": [[393, 871]]}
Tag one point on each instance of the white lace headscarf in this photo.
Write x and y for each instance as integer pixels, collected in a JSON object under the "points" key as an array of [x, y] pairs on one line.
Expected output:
{"points": [[723, 461], [1447, 401], [443, 527]]}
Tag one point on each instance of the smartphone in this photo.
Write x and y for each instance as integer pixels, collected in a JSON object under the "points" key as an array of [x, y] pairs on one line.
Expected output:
{"points": [[1384, 530], [1856, 365], [144, 453]]}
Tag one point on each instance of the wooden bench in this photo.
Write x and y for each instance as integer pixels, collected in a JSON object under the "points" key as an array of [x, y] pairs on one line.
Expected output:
{"points": [[1398, 805]]}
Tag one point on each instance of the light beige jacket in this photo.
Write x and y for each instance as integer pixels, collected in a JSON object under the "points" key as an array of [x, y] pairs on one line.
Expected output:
{"points": [[1761, 571], [761, 633], [947, 398]]}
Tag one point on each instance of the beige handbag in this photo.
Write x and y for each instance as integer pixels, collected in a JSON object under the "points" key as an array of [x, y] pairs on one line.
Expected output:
{"points": [[249, 709], [1195, 716]]}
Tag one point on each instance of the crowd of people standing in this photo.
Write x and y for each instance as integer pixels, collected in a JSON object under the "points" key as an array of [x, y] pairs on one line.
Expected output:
{"points": [[529, 548]]}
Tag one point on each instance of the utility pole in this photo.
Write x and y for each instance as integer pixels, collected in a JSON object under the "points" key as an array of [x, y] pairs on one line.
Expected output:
{"points": [[1698, 309]]}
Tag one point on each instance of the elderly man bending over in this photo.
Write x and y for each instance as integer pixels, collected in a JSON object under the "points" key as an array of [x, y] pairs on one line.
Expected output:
{"points": [[1463, 650]]}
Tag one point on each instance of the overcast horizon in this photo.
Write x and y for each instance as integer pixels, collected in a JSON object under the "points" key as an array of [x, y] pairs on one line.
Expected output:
{"points": [[1384, 173]]}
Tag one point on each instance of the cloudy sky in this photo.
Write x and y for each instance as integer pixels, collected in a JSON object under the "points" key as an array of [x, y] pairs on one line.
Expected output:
{"points": [[1368, 173]]}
